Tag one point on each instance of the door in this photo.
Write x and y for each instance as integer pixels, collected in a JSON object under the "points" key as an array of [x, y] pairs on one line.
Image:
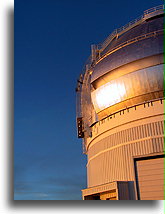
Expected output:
{"points": [[150, 178]]}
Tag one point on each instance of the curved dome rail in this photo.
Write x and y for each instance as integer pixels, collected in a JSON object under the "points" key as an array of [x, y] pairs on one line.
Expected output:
{"points": [[128, 26]]}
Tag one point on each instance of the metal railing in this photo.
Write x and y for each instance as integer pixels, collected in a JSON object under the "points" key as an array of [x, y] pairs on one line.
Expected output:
{"points": [[129, 25], [154, 9], [128, 42], [120, 31]]}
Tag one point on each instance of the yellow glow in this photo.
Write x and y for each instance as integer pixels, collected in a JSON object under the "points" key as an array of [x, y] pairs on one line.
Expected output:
{"points": [[108, 95]]}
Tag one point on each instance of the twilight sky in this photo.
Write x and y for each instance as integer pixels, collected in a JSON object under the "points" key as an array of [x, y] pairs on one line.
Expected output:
{"points": [[52, 42]]}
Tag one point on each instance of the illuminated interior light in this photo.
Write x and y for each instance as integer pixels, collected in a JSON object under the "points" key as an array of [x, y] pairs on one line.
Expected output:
{"points": [[108, 95]]}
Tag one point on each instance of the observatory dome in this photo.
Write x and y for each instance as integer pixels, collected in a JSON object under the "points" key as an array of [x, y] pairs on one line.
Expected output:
{"points": [[130, 66], [120, 112]]}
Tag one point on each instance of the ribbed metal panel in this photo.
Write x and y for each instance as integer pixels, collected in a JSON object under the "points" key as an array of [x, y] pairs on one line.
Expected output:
{"points": [[117, 164], [131, 134], [111, 158]]}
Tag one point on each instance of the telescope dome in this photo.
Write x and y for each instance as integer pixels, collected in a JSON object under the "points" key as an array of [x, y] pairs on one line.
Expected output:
{"points": [[129, 69]]}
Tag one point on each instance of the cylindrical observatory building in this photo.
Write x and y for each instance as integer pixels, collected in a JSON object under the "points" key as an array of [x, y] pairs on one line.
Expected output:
{"points": [[120, 112]]}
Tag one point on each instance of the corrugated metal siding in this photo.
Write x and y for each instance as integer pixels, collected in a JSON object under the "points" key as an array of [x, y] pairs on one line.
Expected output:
{"points": [[111, 158], [131, 134], [150, 177]]}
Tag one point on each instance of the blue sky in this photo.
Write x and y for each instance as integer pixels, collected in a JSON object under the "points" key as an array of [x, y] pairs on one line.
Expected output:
{"points": [[52, 41]]}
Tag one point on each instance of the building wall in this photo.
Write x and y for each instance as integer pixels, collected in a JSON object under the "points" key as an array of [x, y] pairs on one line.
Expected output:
{"points": [[117, 139], [122, 104]]}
